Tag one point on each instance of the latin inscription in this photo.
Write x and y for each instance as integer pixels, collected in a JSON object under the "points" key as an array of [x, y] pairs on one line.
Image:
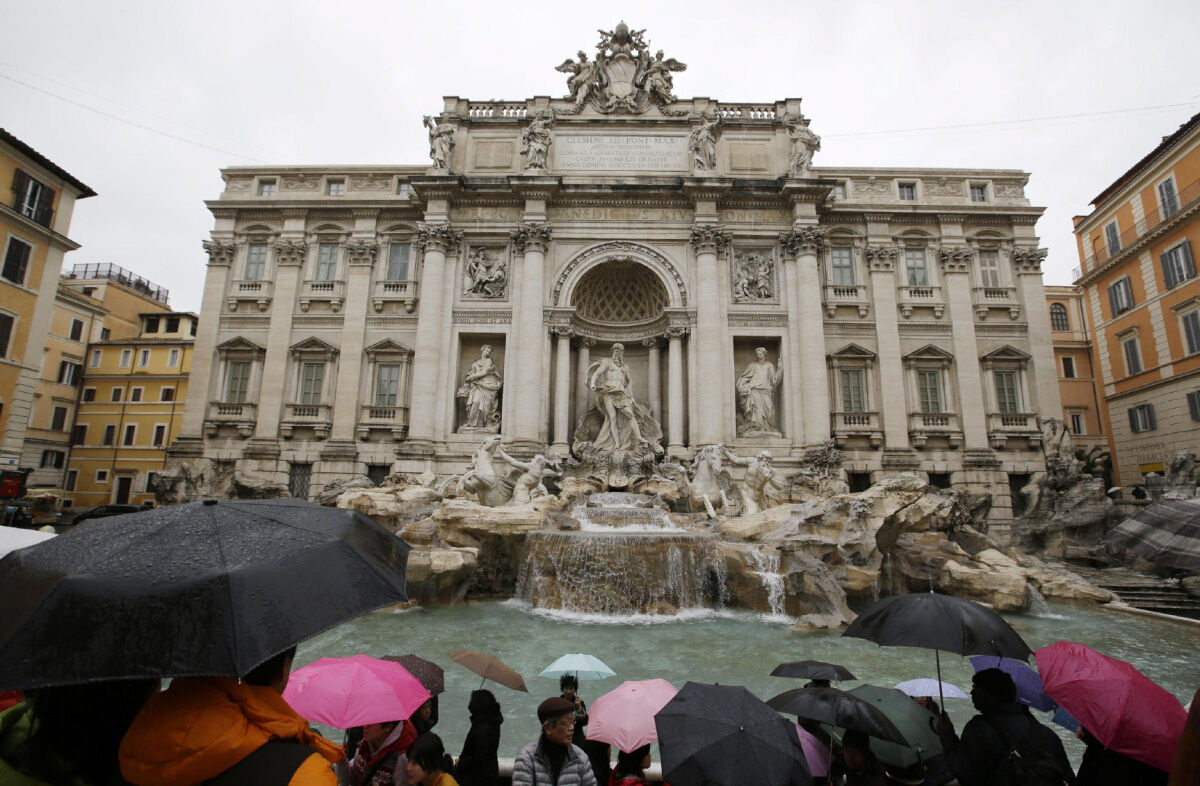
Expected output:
{"points": [[600, 152], [619, 214]]}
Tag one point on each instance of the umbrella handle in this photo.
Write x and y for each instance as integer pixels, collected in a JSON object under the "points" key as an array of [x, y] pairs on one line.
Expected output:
{"points": [[481, 683], [937, 657]]}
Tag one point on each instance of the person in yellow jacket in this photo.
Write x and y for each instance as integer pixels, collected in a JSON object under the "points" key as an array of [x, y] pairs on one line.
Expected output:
{"points": [[227, 732]]}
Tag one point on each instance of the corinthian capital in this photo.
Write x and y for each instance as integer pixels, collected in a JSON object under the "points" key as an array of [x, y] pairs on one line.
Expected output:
{"points": [[710, 238], [218, 253], [437, 237], [290, 252], [531, 236], [802, 240], [361, 252], [881, 257], [954, 259], [1029, 260]]}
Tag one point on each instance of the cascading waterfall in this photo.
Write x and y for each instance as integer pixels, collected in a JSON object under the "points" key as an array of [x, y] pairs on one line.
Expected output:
{"points": [[766, 566], [1037, 604], [627, 558]]}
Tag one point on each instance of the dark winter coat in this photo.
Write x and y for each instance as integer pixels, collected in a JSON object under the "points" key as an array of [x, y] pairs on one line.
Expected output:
{"points": [[1104, 767], [477, 764], [975, 757]]}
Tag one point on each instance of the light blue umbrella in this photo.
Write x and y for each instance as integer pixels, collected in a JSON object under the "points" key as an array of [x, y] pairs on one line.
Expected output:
{"points": [[582, 666], [928, 687]]}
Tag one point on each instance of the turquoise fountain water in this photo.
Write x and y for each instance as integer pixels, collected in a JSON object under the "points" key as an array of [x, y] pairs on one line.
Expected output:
{"points": [[707, 645]]}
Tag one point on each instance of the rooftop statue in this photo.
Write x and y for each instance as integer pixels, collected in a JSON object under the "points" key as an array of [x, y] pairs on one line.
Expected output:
{"points": [[623, 77]]}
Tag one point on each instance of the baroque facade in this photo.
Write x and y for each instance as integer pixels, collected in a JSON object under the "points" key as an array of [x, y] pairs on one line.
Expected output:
{"points": [[363, 319]]}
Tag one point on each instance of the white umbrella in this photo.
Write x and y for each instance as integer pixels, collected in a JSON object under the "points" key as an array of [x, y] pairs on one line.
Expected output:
{"points": [[579, 664], [929, 687], [13, 538]]}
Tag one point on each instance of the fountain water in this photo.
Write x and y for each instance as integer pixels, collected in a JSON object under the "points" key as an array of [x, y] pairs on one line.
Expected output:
{"points": [[628, 557], [766, 565], [1037, 604]]}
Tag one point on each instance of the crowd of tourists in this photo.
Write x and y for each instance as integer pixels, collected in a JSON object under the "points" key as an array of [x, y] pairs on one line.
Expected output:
{"points": [[226, 732]]}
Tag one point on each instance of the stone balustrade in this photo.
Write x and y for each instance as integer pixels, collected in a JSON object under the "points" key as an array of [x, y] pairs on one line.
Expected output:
{"points": [[394, 292], [257, 291], [332, 291]]}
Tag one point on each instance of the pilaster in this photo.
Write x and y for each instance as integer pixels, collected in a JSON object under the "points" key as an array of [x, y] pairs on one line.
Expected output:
{"points": [[708, 240], [803, 243], [881, 262], [360, 255], [290, 258], [531, 239], [1027, 264], [955, 264], [425, 421]]}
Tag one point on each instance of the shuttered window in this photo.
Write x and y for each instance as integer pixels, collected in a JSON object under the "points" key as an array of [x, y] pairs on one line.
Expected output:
{"points": [[1141, 418], [1177, 265], [16, 261]]}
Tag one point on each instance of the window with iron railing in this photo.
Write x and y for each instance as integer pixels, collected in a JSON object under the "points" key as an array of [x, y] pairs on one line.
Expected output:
{"points": [[1169, 206]]}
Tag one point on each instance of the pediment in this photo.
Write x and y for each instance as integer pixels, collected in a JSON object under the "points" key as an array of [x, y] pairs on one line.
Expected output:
{"points": [[314, 344], [240, 344], [929, 352], [388, 347], [854, 351], [1006, 353]]}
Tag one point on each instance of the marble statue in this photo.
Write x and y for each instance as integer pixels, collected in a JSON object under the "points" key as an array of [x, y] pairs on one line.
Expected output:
{"points": [[710, 484], [754, 277], [1055, 437], [486, 274], [441, 142], [763, 486], [611, 382], [535, 140], [528, 484], [756, 396], [703, 143], [804, 144], [481, 477], [584, 78], [654, 76], [481, 389]]}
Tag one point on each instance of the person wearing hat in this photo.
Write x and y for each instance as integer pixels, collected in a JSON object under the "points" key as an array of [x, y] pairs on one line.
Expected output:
{"points": [[552, 760], [1001, 727]]}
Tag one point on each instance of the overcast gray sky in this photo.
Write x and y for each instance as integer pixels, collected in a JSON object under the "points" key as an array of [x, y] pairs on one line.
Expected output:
{"points": [[348, 82]]}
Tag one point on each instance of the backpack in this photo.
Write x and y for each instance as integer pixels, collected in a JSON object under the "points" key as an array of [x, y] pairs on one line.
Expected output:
{"points": [[1023, 764], [272, 764]]}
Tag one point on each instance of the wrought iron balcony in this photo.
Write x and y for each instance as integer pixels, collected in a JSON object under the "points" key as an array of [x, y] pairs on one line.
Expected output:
{"points": [[1187, 198]]}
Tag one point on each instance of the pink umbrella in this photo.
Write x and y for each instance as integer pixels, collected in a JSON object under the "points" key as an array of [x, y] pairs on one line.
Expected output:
{"points": [[815, 753], [625, 715], [1120, 706], [354, 691]]}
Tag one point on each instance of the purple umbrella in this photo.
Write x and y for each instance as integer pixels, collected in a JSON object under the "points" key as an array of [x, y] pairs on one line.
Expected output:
{"points": [[1028, 681]]}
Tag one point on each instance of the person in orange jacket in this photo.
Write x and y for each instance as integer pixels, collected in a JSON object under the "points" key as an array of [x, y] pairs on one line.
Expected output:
{"points": [[227, 732]]}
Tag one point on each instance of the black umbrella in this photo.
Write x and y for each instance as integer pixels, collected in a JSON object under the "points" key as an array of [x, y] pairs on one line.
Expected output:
{"points": [[938, 622], [206, 588], [837, 708], [813, 670], [720, 734]]}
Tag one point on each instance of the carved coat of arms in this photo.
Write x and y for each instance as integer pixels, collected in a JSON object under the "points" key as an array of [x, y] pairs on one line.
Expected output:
{"points": [[623, 77]]}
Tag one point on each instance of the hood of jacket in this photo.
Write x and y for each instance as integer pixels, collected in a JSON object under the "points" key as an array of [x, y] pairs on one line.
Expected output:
{"points": [[202, 726]]}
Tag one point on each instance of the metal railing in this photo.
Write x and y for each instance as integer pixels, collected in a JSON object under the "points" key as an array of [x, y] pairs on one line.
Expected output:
{"points": [[1185, 198], [120, 275]]}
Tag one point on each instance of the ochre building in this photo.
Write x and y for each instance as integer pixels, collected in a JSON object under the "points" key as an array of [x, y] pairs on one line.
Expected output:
{"points": [[34, 221], [1139, 274], [1078, 383], [762, 301]]}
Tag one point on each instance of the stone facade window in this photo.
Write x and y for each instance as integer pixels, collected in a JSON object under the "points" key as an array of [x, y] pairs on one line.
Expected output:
{"points": [[907, 191], [1058, 317], [841, 264], [335, 187], [399, 261], [989, 268], [267, 187], [1141, 418], [327, 256], [979, 192], [916, 267], [256, 261]]}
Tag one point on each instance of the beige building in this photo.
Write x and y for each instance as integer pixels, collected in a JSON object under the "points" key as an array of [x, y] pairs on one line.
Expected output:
{"points": [[1078, 384], [34, 223], [1138, 251], [347, 309], [131, 407]]}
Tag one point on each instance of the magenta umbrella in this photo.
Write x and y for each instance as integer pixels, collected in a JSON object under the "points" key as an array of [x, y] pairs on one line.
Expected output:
{"points": [[354, 691], [815, 753], [1123, 708], [625, 715]]}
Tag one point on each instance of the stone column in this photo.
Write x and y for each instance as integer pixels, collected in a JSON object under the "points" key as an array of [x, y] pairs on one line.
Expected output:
{"points": [[562, 391], [804, 243], [955, 266], [708, 239], [220, 258], [290, 259], [434, 240], [653, 380], [360, 257], [581, 382], [529, 334], [1027, 263], [677, 440], [890, 399]]}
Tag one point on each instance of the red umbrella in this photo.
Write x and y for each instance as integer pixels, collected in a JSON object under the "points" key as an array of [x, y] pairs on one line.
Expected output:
{"points": [[1123, 708]]}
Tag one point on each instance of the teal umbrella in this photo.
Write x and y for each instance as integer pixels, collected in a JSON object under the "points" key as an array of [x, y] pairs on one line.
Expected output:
{"points": [[580, 665], [916, 723]]}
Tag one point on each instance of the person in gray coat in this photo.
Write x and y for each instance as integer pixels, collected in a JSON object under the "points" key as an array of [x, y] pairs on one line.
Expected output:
{"points": [[552, 760]]}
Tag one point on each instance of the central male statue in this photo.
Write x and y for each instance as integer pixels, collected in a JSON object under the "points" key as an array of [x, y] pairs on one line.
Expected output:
{"points": [[610, 380]]}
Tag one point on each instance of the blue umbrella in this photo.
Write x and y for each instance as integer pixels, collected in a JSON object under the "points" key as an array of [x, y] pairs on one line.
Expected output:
{"points": [[1028, 681], [581, 665]]}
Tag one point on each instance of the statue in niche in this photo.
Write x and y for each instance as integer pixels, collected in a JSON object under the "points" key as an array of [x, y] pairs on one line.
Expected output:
{"points": [[756, 396], [703, 142], [441, 142], [763, 487], [481, 389], [617, 440], [487, 274], [585, 77], [654, 76], [754, 277], [535, 140], [804, 144], [528, 484]]}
